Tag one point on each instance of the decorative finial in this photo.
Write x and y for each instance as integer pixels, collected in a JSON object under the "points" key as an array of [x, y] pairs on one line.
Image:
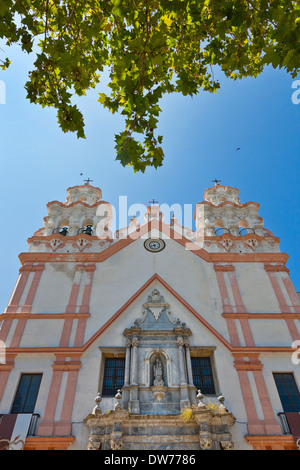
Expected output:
{"points": [[88, 181], [222, 408], [118, 397], [200, 398], [97, 410], [216, 181]]}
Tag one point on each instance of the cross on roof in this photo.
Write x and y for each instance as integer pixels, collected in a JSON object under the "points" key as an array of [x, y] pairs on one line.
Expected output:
{"points": [[88, 181], [216, 181], [153, 202]]}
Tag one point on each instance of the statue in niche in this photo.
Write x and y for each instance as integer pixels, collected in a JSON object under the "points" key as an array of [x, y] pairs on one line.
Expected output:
{"points": [[157, 370]]}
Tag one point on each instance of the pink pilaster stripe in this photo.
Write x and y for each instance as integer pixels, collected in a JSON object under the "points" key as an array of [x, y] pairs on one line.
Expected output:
{"points": [[5, 329], [4, 374], [73, 298], [17, 337], [85, 303], [227, 308], [20, 286], [32, 291], [85, 307], [240, 308], [64, 425], [271, 425], [47, 425], [71, 307], [254, 425], [284, 308], [292, 293], [66, 332]]}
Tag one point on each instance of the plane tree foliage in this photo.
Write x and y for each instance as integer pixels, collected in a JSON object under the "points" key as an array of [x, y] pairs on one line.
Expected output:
{"points": [[149, 48]]}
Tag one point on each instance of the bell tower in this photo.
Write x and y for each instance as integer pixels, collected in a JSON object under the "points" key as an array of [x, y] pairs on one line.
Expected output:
{"points": [[77, 224], [226, 224]]}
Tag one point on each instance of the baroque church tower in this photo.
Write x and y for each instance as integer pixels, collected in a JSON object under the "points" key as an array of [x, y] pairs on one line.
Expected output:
{"points": [[156, 337]]}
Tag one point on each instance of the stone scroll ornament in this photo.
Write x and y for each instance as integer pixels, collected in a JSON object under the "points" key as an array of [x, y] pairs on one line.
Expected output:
{"points": [[16, 444], [116, 442], [94, 443]]}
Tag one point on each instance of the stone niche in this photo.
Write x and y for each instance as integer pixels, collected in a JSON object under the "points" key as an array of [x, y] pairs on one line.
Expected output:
{"points": [[158, 366]]}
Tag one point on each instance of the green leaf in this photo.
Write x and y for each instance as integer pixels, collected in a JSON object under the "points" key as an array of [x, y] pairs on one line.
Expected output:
{"points": [[148, 49]]}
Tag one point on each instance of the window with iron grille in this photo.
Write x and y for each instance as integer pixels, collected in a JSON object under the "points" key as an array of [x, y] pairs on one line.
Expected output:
{"points": [[113, 379], [288, 392], [27, 393], [202, 375]]}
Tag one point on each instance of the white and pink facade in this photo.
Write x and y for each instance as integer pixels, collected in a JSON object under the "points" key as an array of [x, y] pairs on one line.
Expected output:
{"points": [[152, 291]]}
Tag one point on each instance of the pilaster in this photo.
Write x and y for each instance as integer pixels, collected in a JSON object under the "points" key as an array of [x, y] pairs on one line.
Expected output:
{"points": [[246, 365], [49, 426]]}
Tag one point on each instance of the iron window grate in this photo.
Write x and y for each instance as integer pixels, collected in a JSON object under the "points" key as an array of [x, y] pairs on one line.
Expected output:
{"points": [[202, 375], [113, 379]]}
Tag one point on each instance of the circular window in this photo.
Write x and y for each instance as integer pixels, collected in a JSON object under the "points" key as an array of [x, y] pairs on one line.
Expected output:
{"points": [[154, 244]]}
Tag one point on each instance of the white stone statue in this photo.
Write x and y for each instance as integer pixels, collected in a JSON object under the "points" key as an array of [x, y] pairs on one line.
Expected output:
{"points": [[157, 370]]}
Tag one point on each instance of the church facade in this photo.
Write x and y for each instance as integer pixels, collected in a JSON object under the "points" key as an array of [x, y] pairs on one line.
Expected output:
{"points": [[156, 337]]}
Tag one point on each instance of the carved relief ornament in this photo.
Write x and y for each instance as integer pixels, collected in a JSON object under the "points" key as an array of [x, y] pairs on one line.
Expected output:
{"points": [[156, 304]]}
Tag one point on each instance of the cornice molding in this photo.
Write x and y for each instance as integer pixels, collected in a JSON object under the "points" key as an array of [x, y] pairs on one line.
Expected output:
{"points": [[276, 268], [118, 245], [262, 316]]}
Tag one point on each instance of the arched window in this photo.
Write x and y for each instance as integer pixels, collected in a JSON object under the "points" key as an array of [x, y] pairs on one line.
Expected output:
{"points": [[87, 226], [62, 227]]}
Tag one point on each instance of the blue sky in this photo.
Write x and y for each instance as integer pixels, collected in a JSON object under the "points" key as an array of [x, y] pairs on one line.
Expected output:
{"points": [[39, 162]]}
